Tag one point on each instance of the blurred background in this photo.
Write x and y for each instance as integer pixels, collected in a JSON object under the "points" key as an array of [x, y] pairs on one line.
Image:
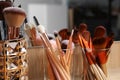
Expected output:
{"points": [[59, 14], [95, 13]]}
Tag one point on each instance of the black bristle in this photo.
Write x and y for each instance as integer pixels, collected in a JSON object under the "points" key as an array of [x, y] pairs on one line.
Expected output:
{"points": [[26, 21], [55, 34], [19, 6], [36, 20]]}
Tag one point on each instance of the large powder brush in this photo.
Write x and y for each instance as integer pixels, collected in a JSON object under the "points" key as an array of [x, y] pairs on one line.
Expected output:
{"points": [[14, 18]]}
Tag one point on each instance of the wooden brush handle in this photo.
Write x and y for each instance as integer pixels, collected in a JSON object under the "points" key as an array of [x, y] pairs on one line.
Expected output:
{"points": [[54, 70], [88, 55], [55, 61], [51, 75], [58, 66]]}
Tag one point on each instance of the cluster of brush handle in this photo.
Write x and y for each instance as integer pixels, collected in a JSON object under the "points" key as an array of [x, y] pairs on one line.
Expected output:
{"points": [[95, 49], [12, 19]]}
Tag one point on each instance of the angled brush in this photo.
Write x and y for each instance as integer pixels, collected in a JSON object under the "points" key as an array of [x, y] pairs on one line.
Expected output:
{"points": [[100, 43], [99, 75]]}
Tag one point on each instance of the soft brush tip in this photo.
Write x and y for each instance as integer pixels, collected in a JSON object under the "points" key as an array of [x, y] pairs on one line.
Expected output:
{"points": [[41, 29]]}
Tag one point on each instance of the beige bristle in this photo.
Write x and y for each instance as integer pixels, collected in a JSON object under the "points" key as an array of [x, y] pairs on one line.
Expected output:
{"points": [[41, 29]]}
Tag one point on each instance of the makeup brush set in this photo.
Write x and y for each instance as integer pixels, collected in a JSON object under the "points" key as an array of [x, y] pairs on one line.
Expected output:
{"points": [[95, 50], [59, 52], [58, 59]]}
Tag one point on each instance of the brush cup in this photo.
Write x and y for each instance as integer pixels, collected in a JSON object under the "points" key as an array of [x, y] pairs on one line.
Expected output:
{"points": [[35, 42], [102, 58], [36, 62], [39, 64], [77, 64], [13, 60]]}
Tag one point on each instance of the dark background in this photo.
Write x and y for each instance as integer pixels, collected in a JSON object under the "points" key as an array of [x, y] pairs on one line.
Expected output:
{"points": [[97, 12]]}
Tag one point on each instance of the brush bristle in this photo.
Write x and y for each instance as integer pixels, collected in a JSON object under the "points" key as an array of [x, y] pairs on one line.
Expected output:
{"points": [[72, 32], [28, 26], [82, 27], [55, 33], [14, 10], [99, 43], [64, 44], [100, 31], [41, 29], [63, 33]]}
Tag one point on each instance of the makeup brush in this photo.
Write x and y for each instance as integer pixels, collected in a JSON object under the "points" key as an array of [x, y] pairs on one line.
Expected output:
{"points": [[50, 54], [99, 32], [98, 74], [64, 34], [69, 46], [57, 40], [62, 59], [69, 51], [41, 29], [33, 35], [100, 51], [100, 44], [87, 43], [80, 29], [14, 18]]}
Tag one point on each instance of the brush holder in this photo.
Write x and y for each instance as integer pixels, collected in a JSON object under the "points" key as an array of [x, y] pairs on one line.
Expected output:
{"points": [[13, 60], [102, 56], [39, 66], [36, 62], [77, 64], [35, 42]]}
